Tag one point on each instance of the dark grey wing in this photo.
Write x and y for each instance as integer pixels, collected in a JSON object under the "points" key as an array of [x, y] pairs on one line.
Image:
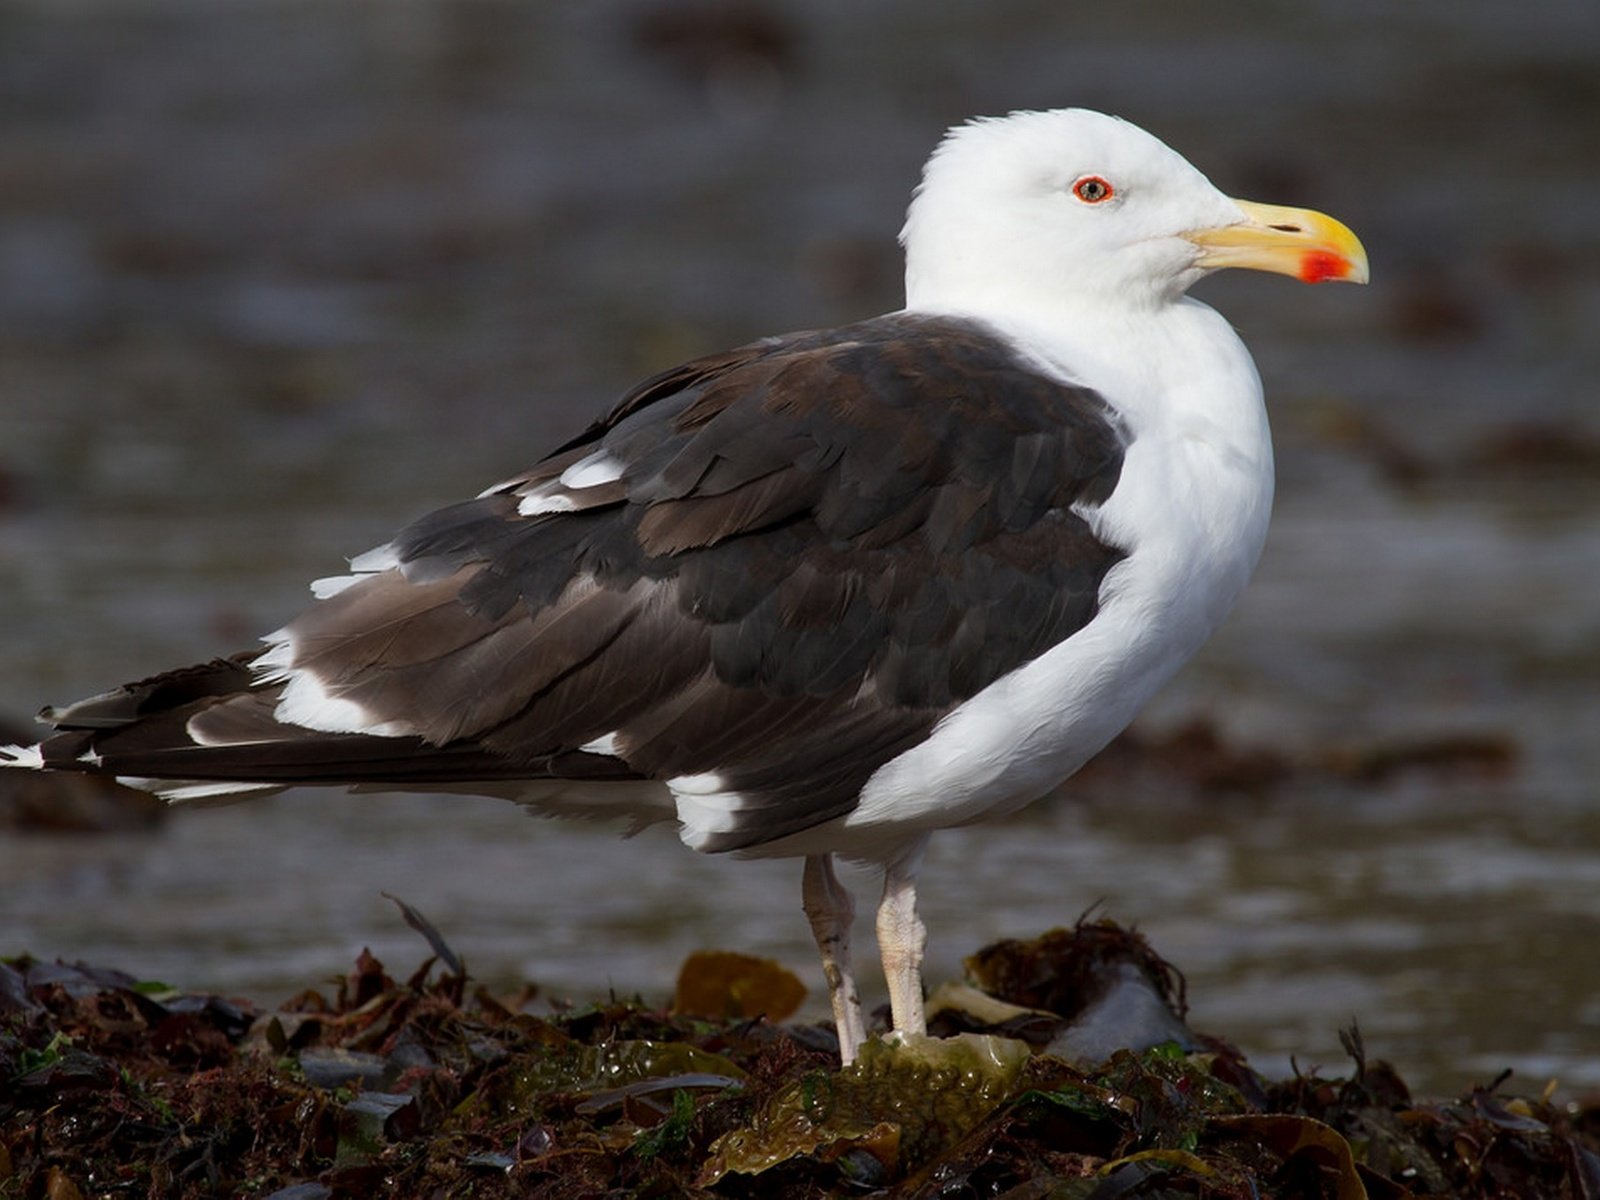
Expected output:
{"points": [[780, 566]]}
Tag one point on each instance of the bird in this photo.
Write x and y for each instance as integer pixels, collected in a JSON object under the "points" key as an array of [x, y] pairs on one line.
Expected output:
{"points": [[824, 594]]}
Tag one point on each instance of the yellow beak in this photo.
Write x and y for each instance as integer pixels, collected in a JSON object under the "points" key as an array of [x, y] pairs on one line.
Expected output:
{"points": [[1309, 245]]}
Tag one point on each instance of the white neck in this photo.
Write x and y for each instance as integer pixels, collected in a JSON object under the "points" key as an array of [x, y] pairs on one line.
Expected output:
{"points": [[1154, 360]]}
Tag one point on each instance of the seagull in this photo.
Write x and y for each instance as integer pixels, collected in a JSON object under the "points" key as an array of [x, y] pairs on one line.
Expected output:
{"points": [[824, 594]]}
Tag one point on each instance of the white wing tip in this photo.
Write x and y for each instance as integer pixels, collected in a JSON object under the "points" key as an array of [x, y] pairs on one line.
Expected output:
{"points": [[707, 783], [379, 558], [179, 791], [603, 745], [276, 663], [364, 565], [332, 585], [593, 471], [30, 758], [535, 504], [306, 703]]}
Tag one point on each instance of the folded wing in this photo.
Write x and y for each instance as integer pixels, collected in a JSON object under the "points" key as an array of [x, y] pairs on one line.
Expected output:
{"points": [[780, 567]]}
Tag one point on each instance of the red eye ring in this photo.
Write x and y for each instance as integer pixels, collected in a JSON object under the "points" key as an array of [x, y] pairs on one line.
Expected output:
{"points": [[1092, 189]]}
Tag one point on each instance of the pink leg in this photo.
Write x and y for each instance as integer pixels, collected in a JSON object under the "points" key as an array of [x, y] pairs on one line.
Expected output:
{"points": [[830, 910], [901, 941]]}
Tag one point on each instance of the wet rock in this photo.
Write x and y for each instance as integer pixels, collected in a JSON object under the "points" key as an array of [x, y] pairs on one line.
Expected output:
{"points": [[908, 1097], [332, 1067], [302, 1191], [1130, 1013]]}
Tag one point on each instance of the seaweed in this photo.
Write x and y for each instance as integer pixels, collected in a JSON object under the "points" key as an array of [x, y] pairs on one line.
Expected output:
{"points": [[110, 1086]]}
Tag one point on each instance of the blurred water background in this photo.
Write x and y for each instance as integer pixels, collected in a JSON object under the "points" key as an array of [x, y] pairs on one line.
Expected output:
{"points": [[277, 277]]}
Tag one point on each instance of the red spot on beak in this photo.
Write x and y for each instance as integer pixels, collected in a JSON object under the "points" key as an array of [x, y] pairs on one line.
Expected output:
{"points": [[1319, 266]]}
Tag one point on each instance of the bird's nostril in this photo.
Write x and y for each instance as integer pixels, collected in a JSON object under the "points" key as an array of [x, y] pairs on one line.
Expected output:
{"points": [[1287, 228]]}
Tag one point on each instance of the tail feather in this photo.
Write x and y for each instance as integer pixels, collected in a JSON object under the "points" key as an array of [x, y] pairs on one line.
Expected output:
{"points": [[157, 694], [210, 730]]}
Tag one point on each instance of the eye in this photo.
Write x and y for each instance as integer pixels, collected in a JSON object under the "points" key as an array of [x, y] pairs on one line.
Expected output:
{"points": [[1092, 189]]}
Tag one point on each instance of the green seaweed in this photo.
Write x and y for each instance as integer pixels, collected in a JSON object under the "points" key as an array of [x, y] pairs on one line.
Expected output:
{"points": [[910, 1098]]}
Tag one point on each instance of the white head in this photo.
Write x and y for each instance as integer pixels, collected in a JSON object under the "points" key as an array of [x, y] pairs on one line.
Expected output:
{"points": [[1072, 205]]}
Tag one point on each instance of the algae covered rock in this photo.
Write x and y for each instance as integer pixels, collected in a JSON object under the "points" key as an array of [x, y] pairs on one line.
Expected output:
{"points": [[902, 1101]]}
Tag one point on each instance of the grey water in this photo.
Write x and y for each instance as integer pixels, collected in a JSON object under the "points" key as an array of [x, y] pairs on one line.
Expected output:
{"points": [[276, 278]]}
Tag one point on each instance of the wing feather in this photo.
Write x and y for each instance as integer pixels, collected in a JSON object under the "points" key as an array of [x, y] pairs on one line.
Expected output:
{"points": [[779, 566]]}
